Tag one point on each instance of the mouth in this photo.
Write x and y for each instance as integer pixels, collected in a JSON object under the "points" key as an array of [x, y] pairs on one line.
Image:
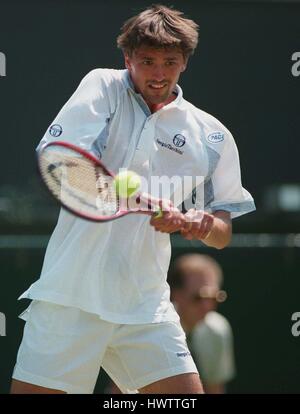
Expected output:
{"points": [[157, 86]]}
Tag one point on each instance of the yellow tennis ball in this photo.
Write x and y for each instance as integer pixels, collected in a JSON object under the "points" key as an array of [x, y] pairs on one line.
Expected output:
{"points": [[127, 183]]}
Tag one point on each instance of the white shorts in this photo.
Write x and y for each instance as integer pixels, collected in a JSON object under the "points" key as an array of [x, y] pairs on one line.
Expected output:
{"points": [[63, 348]]}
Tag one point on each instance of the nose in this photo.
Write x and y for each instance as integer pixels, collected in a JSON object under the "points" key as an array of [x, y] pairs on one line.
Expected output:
{"points": [[158, 73]]}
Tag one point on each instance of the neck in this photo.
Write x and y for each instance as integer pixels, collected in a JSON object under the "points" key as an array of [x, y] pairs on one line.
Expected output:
{"points": [[156, 107]]}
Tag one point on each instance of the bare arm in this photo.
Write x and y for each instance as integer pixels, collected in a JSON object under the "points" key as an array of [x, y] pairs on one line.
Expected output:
{"points": [[214, 230]]}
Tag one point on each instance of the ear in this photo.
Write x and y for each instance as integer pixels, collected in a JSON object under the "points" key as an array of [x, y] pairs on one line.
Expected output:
{"points": [[183, 68], [127, 62], [184, 65]]}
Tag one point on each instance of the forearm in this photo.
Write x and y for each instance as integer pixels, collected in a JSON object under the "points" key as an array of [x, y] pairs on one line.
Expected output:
{"points": [[212, 229], [221, 232]]}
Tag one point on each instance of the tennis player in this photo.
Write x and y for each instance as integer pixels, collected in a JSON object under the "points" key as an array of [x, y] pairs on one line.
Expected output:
{"points": [[102, 299]]}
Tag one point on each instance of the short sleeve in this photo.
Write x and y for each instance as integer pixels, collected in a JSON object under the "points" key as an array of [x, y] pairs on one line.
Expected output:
{"points": [[223, 189], [84, 119]]}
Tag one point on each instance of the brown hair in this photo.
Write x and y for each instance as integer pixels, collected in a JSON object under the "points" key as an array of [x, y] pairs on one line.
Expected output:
{"points": [[159, 26]]}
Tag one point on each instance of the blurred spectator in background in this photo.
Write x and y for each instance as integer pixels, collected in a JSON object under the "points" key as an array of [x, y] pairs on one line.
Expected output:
{"points": [[195, 281]]}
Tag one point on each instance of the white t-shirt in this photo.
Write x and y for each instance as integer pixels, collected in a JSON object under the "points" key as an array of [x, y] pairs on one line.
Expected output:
{"points": [[211, 344], [118, 269]]}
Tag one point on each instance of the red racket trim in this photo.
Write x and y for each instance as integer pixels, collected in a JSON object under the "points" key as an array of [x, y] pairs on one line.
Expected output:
{"points": [[81, 151], [96, 161]]}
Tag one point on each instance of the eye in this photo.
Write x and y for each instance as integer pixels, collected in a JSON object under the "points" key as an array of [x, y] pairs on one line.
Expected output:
{"points": [[171, 63], [147, 62]]}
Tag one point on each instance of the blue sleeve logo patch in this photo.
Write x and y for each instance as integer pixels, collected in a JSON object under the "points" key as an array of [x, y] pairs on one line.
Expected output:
{"points": [[215, 137], [55, 130]]}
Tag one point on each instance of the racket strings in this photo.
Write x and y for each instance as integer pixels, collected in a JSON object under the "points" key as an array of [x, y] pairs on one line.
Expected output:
{"points": [[78, 182]]}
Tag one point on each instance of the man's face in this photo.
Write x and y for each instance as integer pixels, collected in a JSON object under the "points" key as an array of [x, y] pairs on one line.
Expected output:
{"points": [[197, 297], [155, 72]]}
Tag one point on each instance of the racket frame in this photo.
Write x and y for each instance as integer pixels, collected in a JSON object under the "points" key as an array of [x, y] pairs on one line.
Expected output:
{"points": [[97, 162]]}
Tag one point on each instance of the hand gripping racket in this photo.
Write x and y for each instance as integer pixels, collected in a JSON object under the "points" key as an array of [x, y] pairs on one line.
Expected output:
{"points": [[85, 187]]}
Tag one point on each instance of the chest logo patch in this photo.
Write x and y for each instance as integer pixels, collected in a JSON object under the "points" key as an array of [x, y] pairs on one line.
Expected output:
{"points": [[179, 140], [169, 146]]}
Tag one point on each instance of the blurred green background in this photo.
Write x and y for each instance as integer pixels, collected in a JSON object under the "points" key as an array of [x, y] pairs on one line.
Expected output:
{"points": [[242, 74]]}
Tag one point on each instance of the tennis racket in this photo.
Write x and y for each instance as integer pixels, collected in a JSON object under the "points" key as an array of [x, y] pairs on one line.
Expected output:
{"points": [[85, 187]]}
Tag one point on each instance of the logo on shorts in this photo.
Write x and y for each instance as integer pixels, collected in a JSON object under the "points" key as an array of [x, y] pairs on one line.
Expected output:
{"points": [[183, 354], [179, 140], [55, 130], [215, 137]]}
